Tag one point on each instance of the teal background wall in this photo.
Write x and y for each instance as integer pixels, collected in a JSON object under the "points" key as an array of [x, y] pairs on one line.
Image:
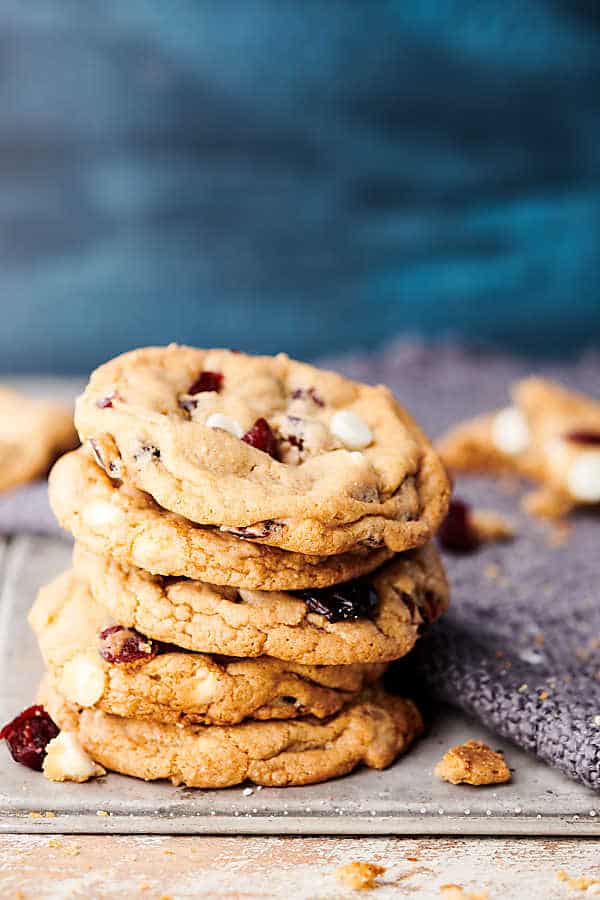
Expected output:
{"points": [[312, 176]]}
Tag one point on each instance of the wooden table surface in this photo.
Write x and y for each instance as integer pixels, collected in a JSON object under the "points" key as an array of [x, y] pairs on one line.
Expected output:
{"points": [[294, 868], [291, 868]]}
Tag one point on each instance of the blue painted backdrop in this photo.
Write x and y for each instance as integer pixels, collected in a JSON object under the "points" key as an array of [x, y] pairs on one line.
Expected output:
{"points": [[296, 174]]}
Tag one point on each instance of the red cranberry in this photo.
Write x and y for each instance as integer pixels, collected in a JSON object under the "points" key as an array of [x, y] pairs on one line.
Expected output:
{"points": [[125, 645], [342, 602], [261, 437], [207, 381], [28, 736], [590, 438], [456, 532], [311, 393], [107, 402]]}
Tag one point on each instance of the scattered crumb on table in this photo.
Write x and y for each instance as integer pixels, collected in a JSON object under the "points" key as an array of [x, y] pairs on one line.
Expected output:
{"points": [[580, 883], [457, 892], [473, 763], [360, 876]]}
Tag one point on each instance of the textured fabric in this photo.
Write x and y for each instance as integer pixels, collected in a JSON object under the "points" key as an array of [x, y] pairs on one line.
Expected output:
{"points": [[520, 646], [280, 174], [26, 510]]}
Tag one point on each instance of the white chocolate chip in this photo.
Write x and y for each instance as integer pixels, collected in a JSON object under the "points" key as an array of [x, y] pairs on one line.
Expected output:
{"points": [[100, 514], [583, 478], [351, 430], [204, 688], [225, 423], [510, 433], [66, 760], [82, 679]]}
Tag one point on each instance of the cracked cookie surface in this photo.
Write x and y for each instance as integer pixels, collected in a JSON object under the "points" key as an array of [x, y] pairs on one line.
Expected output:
{"points": [[32, 434], [373, 730], [410, 592], [270, 449], [113, 519], [168, 685], [550, 435]]}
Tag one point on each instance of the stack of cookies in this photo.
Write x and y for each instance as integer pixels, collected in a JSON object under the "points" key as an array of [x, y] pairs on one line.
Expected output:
{"points": [[252, 550]]}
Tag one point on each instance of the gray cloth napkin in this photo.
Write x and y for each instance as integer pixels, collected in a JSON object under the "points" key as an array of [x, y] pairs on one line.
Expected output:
{"points": [[520, 646], [26, 509]]}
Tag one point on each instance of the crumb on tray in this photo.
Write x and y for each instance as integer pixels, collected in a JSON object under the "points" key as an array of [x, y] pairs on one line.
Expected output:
{"points": [[473, 763]]}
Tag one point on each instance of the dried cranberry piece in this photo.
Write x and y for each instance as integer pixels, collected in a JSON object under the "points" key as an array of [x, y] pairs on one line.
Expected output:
{"points": [[125, 645], [261, 437], [207, 381], [456, 532], [311, 393], [107, 402], [590, 438], [28, 735], [342, 602]]}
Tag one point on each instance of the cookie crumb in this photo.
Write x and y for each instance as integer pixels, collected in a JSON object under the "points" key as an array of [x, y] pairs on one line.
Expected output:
{"points": [[54, 844], [457, 892], [473, 763], [360, 876], [491, 527], [580, 883], [101, 812]]}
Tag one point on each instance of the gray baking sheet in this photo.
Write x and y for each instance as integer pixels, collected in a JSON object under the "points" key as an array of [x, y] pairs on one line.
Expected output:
{"points": [[405, 799]]}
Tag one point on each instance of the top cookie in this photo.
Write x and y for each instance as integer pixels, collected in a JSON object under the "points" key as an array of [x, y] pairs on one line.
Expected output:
{"points": [[32, 434], [270, 449], [549, 434]]}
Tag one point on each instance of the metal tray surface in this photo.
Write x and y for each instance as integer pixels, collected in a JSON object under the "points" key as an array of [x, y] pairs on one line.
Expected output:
{"points": [[405, 799]]}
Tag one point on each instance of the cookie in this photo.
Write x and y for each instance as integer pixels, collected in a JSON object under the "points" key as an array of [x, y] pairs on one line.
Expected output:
{"points": [[373, 730], [549, 435], [111, 518], [32, 434], [392, 606], [93, 661], [266, 448]]}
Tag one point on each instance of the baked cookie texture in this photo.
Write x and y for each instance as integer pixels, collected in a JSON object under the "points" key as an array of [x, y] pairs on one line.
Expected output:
{"points": [[473, 763], [270, 449], [109, 517], [550, 435], [374, 729], [252, 548], [173, 686], [411, 591], [32, 434]]}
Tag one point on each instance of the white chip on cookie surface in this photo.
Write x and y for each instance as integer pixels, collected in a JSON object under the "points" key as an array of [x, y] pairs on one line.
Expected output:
{"points": [[66, 760], [100, 514], [83, 679], [510, 432], [352, 431], [583, 477], [225, 423]]}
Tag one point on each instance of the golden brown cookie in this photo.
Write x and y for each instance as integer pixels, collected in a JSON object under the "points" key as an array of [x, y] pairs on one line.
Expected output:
{"points": [[267, 448], [372, 730], [111, 518], [32, 434], [391, 607], [92, 661], [549, 434]]}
